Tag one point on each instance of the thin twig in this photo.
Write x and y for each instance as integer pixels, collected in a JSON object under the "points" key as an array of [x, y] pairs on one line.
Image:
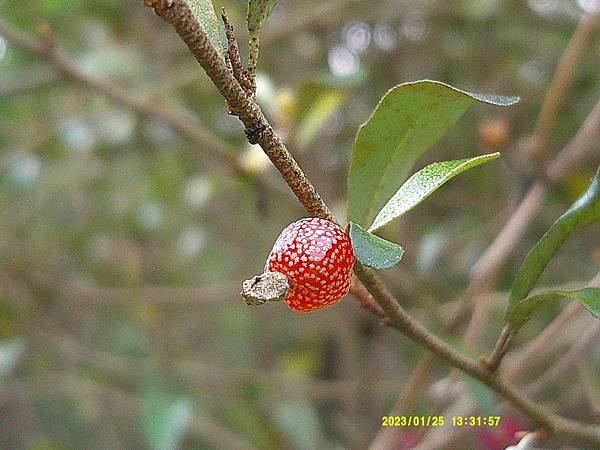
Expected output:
{"points": [[512, 232], [500, 349], [234, 57], [178, 14], [534, 350], [524, 360]]}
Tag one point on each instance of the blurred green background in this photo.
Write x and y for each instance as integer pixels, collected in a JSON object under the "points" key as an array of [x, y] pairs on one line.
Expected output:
{"points": [[123, 245]]}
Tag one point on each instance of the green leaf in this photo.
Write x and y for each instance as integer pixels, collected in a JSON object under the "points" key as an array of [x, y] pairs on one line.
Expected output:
{"points": [[258, 11], [585, 211], [372, 250], [204, 12], [164, 419], [408, 120], [422, 184], [521, 312]]}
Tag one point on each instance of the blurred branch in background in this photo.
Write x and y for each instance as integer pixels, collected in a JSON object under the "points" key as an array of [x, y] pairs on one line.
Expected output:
{"points": [[74, 387], [198, 374], [259, 130], [90, 295], [184, 124], [26, 82], [568, 362], [96, 301], [576, 152], [560, 86], [487, 268], [524, 360]]}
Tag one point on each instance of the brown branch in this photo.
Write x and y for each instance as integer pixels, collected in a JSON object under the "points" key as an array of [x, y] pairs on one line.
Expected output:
{"points": [[180, 16], [365, 299], [488, 266], [234, 58], [534, 350], [490, 263], [258, 129]]}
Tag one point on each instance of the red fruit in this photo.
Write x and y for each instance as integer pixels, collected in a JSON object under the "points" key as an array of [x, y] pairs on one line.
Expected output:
{"points": [[316, 256]]}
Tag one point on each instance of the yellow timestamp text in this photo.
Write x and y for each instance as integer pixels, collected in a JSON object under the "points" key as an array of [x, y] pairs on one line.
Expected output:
{"points": [[440, 421], [475, 421], [413, 421]]}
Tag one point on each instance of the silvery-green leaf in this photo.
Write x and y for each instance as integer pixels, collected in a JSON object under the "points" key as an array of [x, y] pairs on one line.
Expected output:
{"points": [[585, 211], [422, 184], [258, 11], [521, 312], [372, 250], [204, 12], [408, 120]]}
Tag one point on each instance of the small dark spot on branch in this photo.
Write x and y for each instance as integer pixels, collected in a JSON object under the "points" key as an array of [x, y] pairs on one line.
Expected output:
{"points": [[254, 132]]}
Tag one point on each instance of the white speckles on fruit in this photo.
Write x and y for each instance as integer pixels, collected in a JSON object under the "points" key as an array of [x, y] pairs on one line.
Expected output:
{"points": [[316, 256]]}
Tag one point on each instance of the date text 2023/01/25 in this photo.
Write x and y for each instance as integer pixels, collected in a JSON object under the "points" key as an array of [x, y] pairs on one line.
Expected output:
{"points": [[440, 421]]}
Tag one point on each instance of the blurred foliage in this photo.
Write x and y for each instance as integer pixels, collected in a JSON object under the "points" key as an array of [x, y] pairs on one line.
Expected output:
{"points": [[123, 246]]}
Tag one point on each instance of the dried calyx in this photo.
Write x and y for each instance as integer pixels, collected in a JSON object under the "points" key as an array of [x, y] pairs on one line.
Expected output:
{"points": [[266, 287]]}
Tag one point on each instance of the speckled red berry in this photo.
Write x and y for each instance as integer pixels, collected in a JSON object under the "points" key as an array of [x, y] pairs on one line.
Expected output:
{"points": [[316, 255]]}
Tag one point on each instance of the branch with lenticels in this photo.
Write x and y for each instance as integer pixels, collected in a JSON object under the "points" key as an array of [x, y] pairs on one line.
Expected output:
{"points": [[258, 129]]}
